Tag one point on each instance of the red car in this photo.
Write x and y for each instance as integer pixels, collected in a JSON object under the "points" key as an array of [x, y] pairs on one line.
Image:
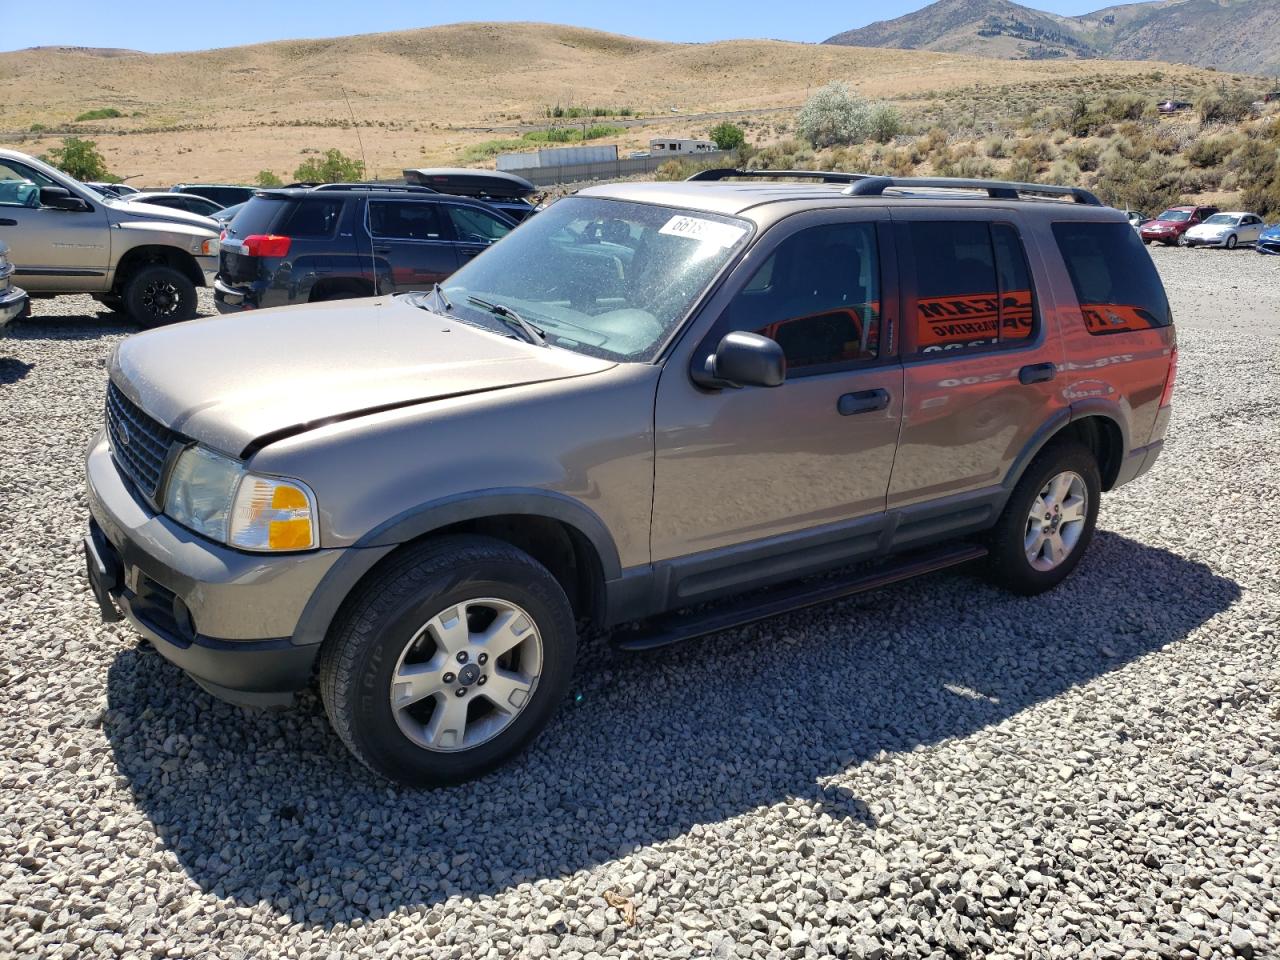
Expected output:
{"points": [[1169, 227]]}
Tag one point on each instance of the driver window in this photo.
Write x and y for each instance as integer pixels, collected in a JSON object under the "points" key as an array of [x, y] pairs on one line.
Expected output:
{"points": [[817, 295], [19, 186]]}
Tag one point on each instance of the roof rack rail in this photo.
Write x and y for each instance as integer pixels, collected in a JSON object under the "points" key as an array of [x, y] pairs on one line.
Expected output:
{"points": [[398, 187], [995, 189], [826, 176]]}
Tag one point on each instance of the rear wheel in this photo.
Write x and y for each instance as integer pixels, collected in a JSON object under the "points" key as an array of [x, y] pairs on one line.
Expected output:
{"points": [[1049, 520], [159, 294], [449, 662]]}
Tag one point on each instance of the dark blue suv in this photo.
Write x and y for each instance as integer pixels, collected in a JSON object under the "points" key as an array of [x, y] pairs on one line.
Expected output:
{"points": [[333, 242]]}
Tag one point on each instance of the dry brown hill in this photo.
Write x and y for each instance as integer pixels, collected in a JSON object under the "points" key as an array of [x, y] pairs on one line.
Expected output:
{"points": [[226, 114]]}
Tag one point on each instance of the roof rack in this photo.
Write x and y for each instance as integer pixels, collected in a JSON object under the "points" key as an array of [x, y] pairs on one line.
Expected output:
{"points": [[397, 187], [995, 189], [826, 176]]}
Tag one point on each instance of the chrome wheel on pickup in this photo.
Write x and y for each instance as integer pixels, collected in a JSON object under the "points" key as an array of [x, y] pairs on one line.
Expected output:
{"points": [[453, 656]]}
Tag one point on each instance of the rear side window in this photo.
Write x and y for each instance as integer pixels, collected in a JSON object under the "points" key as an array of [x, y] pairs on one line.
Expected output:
{"points": [[258, 215], [1115, 281], [973, 286], [404, 220], [312, 219]]}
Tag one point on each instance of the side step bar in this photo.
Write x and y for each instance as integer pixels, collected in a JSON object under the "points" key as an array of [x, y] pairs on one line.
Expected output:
{"points": [[672, 628]]}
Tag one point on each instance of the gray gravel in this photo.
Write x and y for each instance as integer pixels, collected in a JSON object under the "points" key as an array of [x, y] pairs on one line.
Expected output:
{"points": [[933, 770]]}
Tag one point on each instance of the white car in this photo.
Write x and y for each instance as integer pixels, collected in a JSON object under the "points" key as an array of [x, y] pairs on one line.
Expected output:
{"points": [[1225, 230]]}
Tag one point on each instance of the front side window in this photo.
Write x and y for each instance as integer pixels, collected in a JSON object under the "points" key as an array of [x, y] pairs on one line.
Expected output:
{"points": [[609, 278], [405, 220], [475, 226], [20, 185], [1115, 281], [973, 286], [817, 295]]}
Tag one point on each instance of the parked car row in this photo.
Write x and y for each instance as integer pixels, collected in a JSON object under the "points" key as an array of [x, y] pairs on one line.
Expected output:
{"points": [[146, 253], [1205, 226]]}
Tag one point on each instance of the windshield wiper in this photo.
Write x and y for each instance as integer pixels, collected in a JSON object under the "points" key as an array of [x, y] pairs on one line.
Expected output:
{"points": [[512, 319]]}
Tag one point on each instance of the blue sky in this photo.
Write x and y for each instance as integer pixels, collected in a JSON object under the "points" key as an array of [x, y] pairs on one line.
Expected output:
{"points": [[157, 26]]}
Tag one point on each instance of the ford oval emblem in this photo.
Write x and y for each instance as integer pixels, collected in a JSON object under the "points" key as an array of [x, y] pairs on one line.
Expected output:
{"points": [[123, 430]]}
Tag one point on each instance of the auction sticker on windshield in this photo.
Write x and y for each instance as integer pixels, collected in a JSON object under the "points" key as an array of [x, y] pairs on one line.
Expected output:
{"points": [[705, 231]]}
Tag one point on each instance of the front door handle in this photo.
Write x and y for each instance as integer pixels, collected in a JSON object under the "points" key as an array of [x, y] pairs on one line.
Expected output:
{"points": [[385, 251], [864, 401], [1037, 373], [6, 222]]}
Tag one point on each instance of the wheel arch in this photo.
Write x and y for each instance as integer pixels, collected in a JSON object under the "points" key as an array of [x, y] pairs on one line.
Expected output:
{"points": [[557, 531], [147, 255], [1098, 424]]}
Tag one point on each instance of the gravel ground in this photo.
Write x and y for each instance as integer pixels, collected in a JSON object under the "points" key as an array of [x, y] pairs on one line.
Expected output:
{"points": [[937, 769]]}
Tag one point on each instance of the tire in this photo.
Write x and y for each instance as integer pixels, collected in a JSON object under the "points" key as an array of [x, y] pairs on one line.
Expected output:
{"points": [[1010, 564], [159, 294], [1232, 242], [1146, 242], [392, 627]]}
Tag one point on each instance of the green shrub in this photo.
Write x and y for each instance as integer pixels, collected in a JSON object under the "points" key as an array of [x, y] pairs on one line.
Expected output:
{"points": [[1227, 106], [1038, 150], [1023, 170], [489, 149], [266, 178], [1210, 152], [833, 116], [1083, 155], [996, 146], [728, 136], [80, 159], [884, 124], [333, 167], [103, 113]]}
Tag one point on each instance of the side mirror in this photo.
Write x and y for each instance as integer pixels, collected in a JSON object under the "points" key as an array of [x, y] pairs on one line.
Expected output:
{"points": [[60, 198], [743, 360]]}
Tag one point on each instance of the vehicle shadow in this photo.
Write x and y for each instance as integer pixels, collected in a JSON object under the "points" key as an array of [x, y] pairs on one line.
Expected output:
{"points": [[12, 370], [269, 808]]}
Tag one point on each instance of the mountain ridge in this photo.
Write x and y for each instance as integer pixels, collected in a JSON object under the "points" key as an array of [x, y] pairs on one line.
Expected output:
{"points": [[1236, 35]]}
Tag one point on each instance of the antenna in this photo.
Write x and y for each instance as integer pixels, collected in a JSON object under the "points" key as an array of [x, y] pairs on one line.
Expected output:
{"points": [[373, 261]]}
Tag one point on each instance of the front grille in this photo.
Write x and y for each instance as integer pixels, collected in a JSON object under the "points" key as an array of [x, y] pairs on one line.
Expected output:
{"points": [[139, 443]]}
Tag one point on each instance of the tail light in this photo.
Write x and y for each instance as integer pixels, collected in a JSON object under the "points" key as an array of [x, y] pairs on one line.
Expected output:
{"points": [[1167, 396], [266, 245]]}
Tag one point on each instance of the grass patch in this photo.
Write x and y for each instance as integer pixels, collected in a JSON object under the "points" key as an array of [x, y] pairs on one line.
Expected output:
{"points": [[572, 134], [102, 113]]}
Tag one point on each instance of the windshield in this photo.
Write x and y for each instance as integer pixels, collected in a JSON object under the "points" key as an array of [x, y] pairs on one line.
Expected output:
{"points": [[1174, 216], [1222, 219], [608, 278]]}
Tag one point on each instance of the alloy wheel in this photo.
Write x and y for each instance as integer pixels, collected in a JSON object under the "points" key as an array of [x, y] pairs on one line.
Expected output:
{"points": [[466, 675], [1056, 520], [161, 298]]}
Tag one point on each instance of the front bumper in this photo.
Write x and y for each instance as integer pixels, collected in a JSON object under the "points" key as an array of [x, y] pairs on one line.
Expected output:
{"points": [[1268, 246], [225, 617], [1205, 241], [209, 267]]}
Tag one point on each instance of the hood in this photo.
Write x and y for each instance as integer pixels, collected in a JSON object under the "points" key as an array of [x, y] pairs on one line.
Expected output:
{"points": [[261, 375], [1272, 231], [125, 211]]}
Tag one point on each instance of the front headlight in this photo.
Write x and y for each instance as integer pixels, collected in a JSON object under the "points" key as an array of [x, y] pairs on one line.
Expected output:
{"points": [[215, 496]]}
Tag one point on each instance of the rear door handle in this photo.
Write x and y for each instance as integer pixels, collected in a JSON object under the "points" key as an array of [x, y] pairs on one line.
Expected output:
{"points": [[864, 401], [1037, 373], [6, 222]]}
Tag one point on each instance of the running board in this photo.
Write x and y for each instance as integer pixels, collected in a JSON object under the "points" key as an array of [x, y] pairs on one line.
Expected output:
{"points": [[672, 628]]}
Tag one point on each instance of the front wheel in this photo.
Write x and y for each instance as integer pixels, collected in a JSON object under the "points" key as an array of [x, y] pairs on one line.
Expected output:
{"points": [[449, 662], [1232, 242], [1049, 520], [159, 294]]}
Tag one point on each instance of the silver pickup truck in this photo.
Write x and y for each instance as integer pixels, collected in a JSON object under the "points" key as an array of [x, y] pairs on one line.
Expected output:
{"points": [[66, 237]]}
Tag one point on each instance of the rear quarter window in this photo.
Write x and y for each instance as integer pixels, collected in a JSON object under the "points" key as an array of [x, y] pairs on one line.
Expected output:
{"points": [[259, 215], [1116, 283], [312, 219]]}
